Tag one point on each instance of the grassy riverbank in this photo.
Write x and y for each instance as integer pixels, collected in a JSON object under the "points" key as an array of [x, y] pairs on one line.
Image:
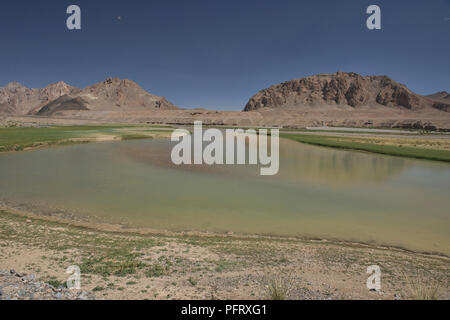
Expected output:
{"points": [[419, 148], [133, 265], [23, 138]]}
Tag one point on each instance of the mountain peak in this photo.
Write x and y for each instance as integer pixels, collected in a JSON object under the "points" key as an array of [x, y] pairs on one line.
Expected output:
{"points": [[119, 82], [59, 84], [111, 80], [14, 86], [56, 90]]}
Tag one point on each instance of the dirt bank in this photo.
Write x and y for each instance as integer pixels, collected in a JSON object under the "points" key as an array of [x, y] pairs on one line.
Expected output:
{"points": [[118, 265]]}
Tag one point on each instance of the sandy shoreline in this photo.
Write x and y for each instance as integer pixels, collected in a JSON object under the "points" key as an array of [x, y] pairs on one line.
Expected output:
{"points": [[124, 264], [99, 225]]}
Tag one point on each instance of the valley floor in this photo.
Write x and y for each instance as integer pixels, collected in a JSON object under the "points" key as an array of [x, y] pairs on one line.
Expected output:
{"points": [[130, 264], [20, 136]]}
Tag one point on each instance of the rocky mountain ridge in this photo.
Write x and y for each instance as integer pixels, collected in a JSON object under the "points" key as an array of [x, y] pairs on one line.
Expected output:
{"points": [[15, 98], [110, 95], [344, 89], [340, 99]]}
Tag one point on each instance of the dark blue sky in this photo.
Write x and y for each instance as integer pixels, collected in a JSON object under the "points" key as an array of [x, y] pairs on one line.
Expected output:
{"points": [[218, 53]]}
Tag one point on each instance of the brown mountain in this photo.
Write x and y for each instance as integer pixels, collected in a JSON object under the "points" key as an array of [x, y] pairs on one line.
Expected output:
{"points": [[345, 90], [20, 100], [113, 94], [441, 100], [442, 96]]}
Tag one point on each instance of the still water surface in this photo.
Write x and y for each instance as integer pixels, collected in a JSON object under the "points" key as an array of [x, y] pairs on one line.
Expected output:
{"points": [[319, 192]]}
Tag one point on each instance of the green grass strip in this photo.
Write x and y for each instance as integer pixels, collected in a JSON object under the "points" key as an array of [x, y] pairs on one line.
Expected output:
{"points": [[343, 143]]}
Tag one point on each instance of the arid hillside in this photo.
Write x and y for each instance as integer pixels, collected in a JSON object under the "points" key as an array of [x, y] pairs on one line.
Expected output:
{"points": [[17, 99], [113, 94], [340, 99], [443, 96], [345, 90]]}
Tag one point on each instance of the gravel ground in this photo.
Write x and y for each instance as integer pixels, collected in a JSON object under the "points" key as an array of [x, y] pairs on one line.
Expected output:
{"points": [[17, 286]]}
